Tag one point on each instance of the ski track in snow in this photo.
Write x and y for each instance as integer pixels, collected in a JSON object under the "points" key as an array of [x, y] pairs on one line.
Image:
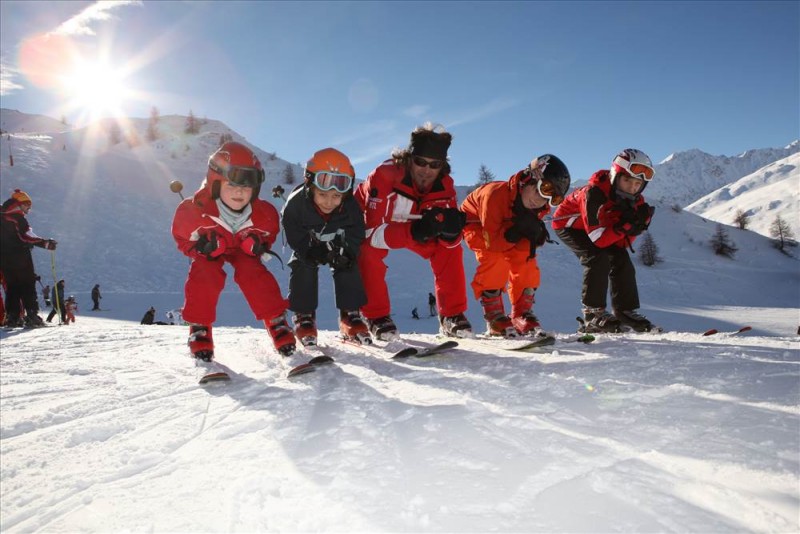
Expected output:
{"points": [[105, 429]]}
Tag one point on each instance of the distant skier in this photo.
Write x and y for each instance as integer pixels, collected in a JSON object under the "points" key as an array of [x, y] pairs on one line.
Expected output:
{"points": [[414, 314], [59, 305], [72, 308], [600, 222], [96, 297], [46, 296], [174, 316], [432, 304], [149, 316], [16, 241]]}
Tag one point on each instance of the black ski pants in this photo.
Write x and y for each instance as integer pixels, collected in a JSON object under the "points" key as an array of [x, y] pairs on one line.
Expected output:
{"points": [[304, 287], [601, 265]]}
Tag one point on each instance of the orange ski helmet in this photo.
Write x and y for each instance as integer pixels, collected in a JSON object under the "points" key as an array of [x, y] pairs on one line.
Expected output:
{"points": [[236, 163]]}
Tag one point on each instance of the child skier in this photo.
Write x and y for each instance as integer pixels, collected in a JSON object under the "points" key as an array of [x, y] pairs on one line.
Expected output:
{"points": [[599, 222], [504, 228], [324, 225], [225, 221], [72, 309]]}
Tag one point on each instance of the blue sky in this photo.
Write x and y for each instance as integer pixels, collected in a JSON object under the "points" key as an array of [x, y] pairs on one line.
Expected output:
{"points": [[510, 80]]}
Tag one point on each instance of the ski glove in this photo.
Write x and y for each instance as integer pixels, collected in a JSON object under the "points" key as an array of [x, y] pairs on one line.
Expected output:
{"points": [[452, 224], [428, 226], [635, 221], [253, 245], [318, 253], [526, 225], [209, 246], [341, 256], [49, 244]]}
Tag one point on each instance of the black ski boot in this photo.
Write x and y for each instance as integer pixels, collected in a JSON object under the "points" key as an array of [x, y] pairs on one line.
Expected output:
{"points": [[635, 320]]}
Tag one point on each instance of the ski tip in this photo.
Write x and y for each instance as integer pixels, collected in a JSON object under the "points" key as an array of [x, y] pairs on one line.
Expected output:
{"points": [[710, 332], [301, 370], [215, 377], [405, 353], [744, 329], [586, 338], [320, 360]]}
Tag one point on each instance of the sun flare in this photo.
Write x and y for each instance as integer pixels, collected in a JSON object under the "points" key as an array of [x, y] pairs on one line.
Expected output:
{"points": [[96, 88]]}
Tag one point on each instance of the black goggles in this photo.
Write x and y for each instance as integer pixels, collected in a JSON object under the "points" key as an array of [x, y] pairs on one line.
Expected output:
{"points": [[239, 176]]}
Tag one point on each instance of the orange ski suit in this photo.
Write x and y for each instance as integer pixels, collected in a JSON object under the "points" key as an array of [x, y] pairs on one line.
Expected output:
{"points": [[500, 262]]}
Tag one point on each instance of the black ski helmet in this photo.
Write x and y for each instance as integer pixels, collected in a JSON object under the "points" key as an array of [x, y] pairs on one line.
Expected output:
{"points": [[550, 168]]}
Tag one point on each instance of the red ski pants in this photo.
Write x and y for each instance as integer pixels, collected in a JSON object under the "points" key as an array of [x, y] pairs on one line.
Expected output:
{"points": [[496, 269], [207, 279], [447, 265]]}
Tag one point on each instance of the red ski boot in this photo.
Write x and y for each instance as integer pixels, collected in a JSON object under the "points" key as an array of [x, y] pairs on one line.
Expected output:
{"points": [[282, 335], [353, 327], [497, 322], [201, 345], [522, 316], [305, 328]]}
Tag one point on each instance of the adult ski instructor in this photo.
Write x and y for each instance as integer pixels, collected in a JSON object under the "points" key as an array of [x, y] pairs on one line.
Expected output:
{"points": [[410, 202]]}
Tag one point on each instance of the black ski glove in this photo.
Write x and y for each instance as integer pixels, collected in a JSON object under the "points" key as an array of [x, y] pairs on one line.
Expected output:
{"points": [[428, 226], [209, 246], [318, 253], [525, 225], [453, 223], [253, 245], [635, 221], [341, 257]]}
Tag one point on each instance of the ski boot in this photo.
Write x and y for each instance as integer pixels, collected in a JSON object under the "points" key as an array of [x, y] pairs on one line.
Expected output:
{"points": [[353, 327], [282, 335], [201, 345], [522, 317], [305, 328], [455, 326], [497, 322], [32, 320], [383, 328], [598, 320], [635, 320]]}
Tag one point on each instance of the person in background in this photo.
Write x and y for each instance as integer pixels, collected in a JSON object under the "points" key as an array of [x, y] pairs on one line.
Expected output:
{"points": [[324, 225], [16, 262], [71, 308], [226, 222], [46, 295], [410, 202], [504, 230], [149, 316], [599, 222], [96, 297], [414, 314], [59, 306], [432, 304]]}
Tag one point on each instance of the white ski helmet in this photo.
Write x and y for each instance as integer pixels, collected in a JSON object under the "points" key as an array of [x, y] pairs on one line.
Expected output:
{"points": [[634, 163]]}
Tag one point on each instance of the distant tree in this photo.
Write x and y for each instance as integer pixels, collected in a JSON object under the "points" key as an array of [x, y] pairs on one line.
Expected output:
{"points": [[484, 175], [288, 174], [648, 251], [64, 120], [225, 138], [722, 244], [192, 124], [132, 138], [152, 124], [782, 232], [741, 219]]}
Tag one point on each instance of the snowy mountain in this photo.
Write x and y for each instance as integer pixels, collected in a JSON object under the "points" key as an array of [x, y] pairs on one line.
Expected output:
{"points": [[685, 177], [104, 428], [773, 190]]}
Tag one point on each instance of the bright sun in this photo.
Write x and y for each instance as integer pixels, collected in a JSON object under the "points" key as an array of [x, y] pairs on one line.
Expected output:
{"points": [[97, 88]]}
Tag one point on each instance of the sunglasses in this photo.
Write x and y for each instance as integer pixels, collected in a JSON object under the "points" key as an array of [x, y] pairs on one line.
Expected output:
{"points": [[326, 181], [547, 190], [422, 162], [239, 176]]}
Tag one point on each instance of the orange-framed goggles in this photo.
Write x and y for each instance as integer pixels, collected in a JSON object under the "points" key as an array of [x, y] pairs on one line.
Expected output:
{"points": [[640, 171], [547, 190], [325, 181]]}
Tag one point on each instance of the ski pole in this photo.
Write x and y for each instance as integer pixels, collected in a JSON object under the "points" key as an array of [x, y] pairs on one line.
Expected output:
{"points": [[55, 284]]}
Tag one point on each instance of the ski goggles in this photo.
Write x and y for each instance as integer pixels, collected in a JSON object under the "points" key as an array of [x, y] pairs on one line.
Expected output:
{"points": [[640, 171], [547, 190], [422, 162], [325, 181], [239, 176]]}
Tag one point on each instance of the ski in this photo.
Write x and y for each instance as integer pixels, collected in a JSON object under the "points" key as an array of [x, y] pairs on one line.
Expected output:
{"points": [[425, 352], [311, 365], [731, 333], [521, 345], [211, 371]]}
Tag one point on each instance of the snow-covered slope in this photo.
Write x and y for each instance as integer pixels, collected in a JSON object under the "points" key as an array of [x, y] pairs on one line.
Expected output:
{"points": [[105, 430], [771, 191], [684, 177]]}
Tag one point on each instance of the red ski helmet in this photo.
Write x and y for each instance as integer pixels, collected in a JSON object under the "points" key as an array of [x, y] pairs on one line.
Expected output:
{"points": [[237, 164]]}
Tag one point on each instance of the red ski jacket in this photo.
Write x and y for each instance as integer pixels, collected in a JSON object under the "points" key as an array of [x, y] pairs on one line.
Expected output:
{"points": [[388, 196], [591, 208], [199, 216]]}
